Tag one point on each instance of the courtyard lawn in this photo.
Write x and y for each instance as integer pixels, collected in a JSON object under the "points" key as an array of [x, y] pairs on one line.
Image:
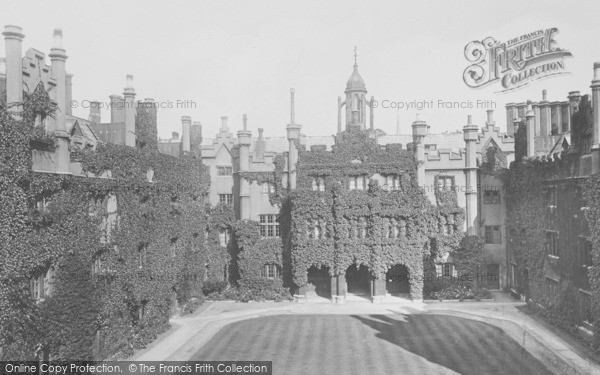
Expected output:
{"points": [[372, 344]]}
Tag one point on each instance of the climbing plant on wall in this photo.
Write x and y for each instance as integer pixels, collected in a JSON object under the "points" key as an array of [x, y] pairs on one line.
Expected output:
{"points": [[357, 217], [114, 275]]}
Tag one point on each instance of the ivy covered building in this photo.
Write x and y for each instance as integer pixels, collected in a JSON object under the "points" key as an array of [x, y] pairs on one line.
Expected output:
{"points": [[552, 211], [101, 236], [262, 179]]}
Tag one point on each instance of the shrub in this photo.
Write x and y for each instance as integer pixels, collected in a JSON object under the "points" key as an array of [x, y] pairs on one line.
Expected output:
{"points": [[448, 288], [214, 286], [192, 305], [262, 288]]}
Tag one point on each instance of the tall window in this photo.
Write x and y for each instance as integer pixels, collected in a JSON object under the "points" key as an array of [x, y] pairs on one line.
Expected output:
{"points": [[224, 171], [224, 237], [226, 198], [551, 287], [392, 182], [269, 226], [142, 254], [318, 184], [267, 188], [492, 234], [357, 183], [445, 270], [445, 183], [491, 196], [551, 196], [552, 243], [271, 271], [42, 285]]}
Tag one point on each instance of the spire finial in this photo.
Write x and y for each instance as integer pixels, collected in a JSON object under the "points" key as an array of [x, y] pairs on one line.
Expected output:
{"points": [[355, 57]]}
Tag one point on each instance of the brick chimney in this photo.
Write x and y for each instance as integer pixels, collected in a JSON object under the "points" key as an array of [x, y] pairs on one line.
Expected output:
{"points": [[244, 141], [471, 136], [95, 116], [419, 131], [530, 124], [129, 94], [13, 40], [117, 109], [186, 123]]}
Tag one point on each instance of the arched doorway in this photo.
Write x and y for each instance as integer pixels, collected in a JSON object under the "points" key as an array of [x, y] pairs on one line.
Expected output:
{"points": [[319, 282], [493, 276], [358, 280], [396, 280]]}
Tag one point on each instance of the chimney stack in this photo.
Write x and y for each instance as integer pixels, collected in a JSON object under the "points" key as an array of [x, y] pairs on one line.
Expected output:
{"points": [[196, 137], [419, 131], [530, 119], [95, 116], [69, 94], [490, 117], [339, 114], [58, 58], [117, 109], [244, 140], [13, 40], [596, 118], [574, 98], [2, 66], [174, 136], [224, 123], [545, 115], [292, 108], [186, 123], [372, 115], [471, 136], [129, 94]]}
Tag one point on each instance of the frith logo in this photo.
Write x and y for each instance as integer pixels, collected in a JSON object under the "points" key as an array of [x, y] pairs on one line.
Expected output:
{"points": [[514, 63]]}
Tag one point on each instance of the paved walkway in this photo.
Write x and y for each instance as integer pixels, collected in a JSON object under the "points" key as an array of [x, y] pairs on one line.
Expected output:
{"points": [[190, 333]]}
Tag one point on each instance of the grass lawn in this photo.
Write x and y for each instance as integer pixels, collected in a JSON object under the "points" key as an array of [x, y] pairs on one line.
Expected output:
{"points": [[372, 344]]}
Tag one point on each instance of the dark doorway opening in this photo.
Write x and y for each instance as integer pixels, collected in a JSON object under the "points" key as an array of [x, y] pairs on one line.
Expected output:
{"points": [[493, 276], [396, 280], [319, 281], [358, 280]]}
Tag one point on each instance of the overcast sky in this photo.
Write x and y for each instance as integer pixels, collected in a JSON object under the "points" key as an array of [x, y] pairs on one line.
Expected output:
{"points": [[236, 57]]}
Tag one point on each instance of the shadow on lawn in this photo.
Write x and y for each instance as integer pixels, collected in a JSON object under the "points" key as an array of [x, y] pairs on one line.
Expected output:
{"points": [[462, 345]]}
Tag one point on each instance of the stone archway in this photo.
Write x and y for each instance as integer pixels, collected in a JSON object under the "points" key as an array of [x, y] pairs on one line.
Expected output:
{"points": [[358, 280], [319, 282], [397, 281]]}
